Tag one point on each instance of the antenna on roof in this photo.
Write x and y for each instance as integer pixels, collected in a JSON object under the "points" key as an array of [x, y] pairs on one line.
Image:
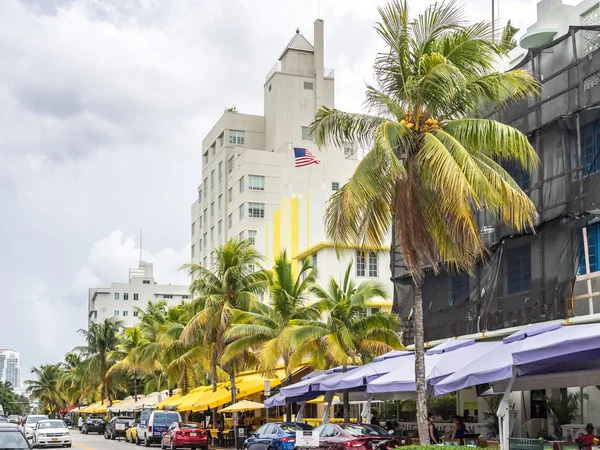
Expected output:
{"points": [[141, 246], [297, 30]]}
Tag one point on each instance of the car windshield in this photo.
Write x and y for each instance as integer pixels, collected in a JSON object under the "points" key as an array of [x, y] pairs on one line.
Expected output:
{"points": [[363, 430], [12, 439], [34, 419], [52, 424], [188, 425], [293, 427]]}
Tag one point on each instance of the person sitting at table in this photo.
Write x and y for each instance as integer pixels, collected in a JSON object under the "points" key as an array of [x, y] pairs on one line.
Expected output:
{"points": [[460, 428], [586, 441], [434, 436]]}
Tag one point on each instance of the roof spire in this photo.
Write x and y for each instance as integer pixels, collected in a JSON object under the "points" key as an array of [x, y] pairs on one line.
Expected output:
{"points": [[297, 30]]}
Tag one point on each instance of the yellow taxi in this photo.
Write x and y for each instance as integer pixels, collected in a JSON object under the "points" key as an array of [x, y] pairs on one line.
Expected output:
{"points": [[131, 434]]}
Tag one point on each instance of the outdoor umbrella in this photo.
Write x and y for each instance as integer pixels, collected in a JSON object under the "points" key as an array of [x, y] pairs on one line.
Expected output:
{"points": [[244, 405], [440, 362], [310, 383]]}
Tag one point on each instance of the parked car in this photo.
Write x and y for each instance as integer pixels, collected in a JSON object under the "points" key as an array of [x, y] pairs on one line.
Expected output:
{"points": [[359, 436], [131, 432], [275, 436], [12, 437], [51, 433], [185, 434], [13, 418], [93, 424], [3, 420], [30, 423], [153, 424], [116, 427]]}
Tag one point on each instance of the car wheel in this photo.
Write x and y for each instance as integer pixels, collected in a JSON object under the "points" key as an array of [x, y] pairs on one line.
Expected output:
{"points": [[68, 445], [146, 441], [137, 440], [173, 445], [112, 436], [162, 444]]}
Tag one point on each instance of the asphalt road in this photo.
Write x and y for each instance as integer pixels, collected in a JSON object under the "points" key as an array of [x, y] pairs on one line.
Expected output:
{"points": [[97, 442]]}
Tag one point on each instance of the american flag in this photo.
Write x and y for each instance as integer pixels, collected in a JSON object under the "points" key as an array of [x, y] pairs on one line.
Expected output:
{"points": [[304, 157]]}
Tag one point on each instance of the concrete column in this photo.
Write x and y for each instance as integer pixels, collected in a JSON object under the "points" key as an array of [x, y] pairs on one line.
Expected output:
{"points": [[319, 63]]}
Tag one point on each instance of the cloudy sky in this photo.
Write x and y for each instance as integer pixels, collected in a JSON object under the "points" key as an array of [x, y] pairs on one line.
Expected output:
{"points": [[103, 107]]}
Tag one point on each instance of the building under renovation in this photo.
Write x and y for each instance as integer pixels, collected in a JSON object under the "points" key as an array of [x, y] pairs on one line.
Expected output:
{"points": [[545, 275]]}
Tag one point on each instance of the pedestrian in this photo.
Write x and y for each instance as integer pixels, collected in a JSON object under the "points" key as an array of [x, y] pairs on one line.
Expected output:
{"points": [[587, 440], [80, 423], [434, 436], [460, 428]]}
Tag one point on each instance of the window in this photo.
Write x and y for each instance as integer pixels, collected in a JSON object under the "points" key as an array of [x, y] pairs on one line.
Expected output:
{"points": [[252, 236], [230, 195], [125, 296], [135, 296], [205, 240], [270, 87], [220, 171], [205, 158], [361, 265], [236, 137], [136, 313], [212, 235], [335, 185], [185, 297], [116, 313], [460, 288], [315, 260], [95, 314], [200, 245], [256, 210], [146, 282], [205, 263], [212, 150], [241, 185], [306, 134], [592, 238], [375, 310], [125, 313], [212, 209], [212, 257], [308, 85], [221, 140], [590, 147], [520, 176], [241, 235], [193, 250], [518, 269], [193, 228], [220, 228], [199, 195], [205, 215], [256, 182], [167, 295], [241, 211], [373, 265], [212, 179], [231, 164], [229, 221], [220, 202], [116, 296], [206, 184], [348, 149]]}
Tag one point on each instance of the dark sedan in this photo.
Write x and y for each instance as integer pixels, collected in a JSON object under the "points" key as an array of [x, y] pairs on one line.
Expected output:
{"points": [[12, 437], [275, 436], [358, 436], [93, 425]]}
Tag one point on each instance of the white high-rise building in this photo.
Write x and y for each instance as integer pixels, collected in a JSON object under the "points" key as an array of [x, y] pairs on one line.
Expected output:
{"points": [[10, 368], [121, 300], [248, 163]]}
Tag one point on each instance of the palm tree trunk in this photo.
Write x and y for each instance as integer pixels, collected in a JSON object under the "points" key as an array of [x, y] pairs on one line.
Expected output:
{"points": [[233, 392], [420, 364], [184, 387], [213, 374], [135, 385], [346, 398]]}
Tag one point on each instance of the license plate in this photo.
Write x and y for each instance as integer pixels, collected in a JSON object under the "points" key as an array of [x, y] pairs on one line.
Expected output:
{"points": [[120, 426], [54, 439], [194, 434]]}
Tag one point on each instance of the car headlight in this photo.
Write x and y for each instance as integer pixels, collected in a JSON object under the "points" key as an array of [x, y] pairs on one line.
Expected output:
{"points": [[42, 434]]}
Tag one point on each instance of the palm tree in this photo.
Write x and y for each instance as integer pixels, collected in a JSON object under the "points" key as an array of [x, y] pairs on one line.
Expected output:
{"points": [[73, 382], [101, 340], [262, 330], [431, 167], [345, 333], [126, 360], [45, 387], [232, 283]]}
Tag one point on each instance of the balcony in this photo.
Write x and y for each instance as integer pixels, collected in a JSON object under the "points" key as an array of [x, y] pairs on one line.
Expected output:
{"points": [[306, 70]]}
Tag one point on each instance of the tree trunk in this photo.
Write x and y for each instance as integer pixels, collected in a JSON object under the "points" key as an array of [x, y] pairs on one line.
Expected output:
{"points": [[184, 387], [135, 385], [233, 392], [422, 424], [213, 374], [346, 398]]}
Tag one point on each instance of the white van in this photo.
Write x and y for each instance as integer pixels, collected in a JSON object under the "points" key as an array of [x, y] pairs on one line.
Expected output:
{"points": [[153, 424]]}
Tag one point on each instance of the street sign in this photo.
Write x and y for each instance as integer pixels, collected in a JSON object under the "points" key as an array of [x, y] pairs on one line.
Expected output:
{"points": [[267, 388], [307, 438]]}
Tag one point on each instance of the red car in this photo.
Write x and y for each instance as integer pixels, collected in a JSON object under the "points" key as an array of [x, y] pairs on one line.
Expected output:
{"points": [[185, 434], [355, 436]]}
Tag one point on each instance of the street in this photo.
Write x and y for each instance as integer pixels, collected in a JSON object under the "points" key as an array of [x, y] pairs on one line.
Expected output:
{"points": [[97, 442]]}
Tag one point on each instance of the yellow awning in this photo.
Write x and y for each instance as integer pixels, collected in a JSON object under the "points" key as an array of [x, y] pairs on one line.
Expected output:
{"points": [[321, 399], [187, 401], [173, 400], [100, 408]]}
